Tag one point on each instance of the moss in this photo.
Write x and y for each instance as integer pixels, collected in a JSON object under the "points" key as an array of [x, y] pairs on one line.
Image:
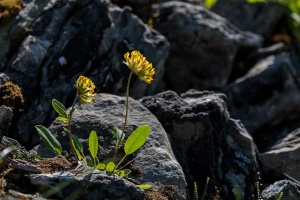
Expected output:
{"points": [[11, 96], [164, 192], [9, 8]]}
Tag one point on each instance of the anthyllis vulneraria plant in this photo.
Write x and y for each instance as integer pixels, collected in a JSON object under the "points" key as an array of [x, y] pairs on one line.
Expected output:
{"points": [[85, 94], [138, 65]]}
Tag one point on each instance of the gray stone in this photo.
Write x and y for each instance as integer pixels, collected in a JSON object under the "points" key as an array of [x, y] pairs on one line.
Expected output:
{"points": [[15, 195], [86, 183], [197, 37], [155, 158], [75, 38], [259, 18], [283, 157], [288, 188], [260, 98], [206, 141], [6, 115]]}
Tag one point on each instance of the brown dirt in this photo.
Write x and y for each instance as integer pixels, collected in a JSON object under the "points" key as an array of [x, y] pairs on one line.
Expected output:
{"points": [[50, 165]]}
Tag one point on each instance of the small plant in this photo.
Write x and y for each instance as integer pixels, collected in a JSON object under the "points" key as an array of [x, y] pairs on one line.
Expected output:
{"points": [[195, 191], [138, 65], [205, 188], [258, 188]]}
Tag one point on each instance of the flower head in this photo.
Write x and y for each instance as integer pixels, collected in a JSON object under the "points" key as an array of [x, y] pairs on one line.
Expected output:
{"points": [[85, 90], [138, 64]]}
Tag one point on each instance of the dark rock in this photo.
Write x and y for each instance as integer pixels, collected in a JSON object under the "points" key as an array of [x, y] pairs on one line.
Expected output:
{"points": [[142, 8], [75, 38], [259, 18], [283, 157], [206, 141], [155, 159], [247, 58], [3, 78], [198, 37], [6, 115], [260, 98], [288, 188]]}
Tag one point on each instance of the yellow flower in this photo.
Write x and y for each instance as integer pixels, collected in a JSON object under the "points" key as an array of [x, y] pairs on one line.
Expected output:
{"points": [[138, 64], [85, 90]]}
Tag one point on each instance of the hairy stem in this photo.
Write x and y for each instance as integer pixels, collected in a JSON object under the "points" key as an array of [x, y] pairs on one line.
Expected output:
{"points": [[69, 128], [126, 116]]}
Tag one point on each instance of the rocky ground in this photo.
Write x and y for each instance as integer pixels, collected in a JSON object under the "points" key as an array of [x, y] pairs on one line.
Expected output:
{"points": [[224, 103]]}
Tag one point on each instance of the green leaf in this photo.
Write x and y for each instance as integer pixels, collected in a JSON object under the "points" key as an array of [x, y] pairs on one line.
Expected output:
{"points": [[121, 173], [101, 166], [77, 144], [63, 119], [78, 153], [49, 140], [97, 161], [118, 133], [136, 139], [145, 186], [209, 3], [89, 161], [59, 108], [93, 144], [110, 167], [256, 1], [126, 172]]}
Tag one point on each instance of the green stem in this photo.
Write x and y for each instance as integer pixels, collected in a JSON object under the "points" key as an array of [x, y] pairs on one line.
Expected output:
{"points": [[69, 127], [121, 161], [126, 116]]}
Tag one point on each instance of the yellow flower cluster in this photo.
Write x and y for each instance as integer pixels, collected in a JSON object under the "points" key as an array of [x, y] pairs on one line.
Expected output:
{"points": [[138, 64], [85, 90]]}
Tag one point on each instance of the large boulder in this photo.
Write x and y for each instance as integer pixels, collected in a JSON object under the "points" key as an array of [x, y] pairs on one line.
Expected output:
{"points": [[251, 16], [155, 159], [73, 38], [203, 45], [207, 142], [260, 98], [283, 157]]}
